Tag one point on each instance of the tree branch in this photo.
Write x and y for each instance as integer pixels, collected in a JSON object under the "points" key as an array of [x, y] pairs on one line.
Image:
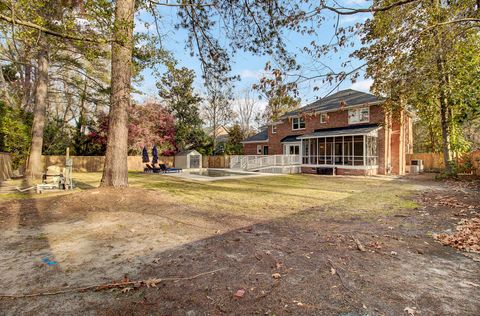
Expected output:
{"points": [[48, 31], [350, 11]]}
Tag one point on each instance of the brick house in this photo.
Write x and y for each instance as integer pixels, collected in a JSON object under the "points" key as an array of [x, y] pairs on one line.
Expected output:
{"points": [[348, 131]]}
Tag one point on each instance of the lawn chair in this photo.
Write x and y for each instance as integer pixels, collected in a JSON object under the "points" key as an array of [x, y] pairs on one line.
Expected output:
{"points": [[165, 169], [151, 169]]}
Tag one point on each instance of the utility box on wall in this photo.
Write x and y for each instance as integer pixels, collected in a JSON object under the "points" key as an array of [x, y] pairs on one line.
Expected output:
{"points": [[189, 159]]}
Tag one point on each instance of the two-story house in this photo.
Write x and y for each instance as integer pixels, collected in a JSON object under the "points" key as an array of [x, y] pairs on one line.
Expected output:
{"points": [[348, 131]]}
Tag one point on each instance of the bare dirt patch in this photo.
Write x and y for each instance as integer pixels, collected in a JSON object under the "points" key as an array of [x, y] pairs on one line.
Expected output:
{"points": [[302, 262]]}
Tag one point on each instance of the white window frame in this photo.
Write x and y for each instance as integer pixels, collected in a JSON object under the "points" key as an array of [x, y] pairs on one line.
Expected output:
{"points": [[259, 149], [299, 118], [358, 115], [323, 118], [274, 129]]}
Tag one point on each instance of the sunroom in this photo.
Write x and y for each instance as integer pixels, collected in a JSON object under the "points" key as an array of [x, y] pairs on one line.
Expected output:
{"points": [[349, 148]]}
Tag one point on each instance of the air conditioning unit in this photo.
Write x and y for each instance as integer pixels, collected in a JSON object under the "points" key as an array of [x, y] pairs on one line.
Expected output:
{"points": [[418, 163]]}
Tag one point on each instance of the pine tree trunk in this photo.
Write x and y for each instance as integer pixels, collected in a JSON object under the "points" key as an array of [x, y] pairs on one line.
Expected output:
{"points": [[115, 172], [34, 164]]}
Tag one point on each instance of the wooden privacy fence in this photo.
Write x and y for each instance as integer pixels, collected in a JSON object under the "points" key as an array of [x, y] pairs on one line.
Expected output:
{"points": [[431, 161], [434, 161], [6, 171], [216, 161], [95, 163]]}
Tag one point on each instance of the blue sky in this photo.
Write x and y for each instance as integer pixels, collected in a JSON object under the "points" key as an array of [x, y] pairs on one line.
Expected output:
{"points": [[250, 67]]}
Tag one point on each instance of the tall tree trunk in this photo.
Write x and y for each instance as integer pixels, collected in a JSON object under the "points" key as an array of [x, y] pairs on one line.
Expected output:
{"points": [[115, 172], [444, 121], [34, 164]]}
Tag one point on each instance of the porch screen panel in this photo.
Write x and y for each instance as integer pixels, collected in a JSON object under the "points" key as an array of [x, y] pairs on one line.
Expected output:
{"points": [[358, 150], [313, 151], [321, 150], [305, 150], [339, 150], [329, 151], [348, 150], [372, 150]]}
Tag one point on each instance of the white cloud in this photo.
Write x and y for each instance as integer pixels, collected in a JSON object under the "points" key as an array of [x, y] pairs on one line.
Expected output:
{"points": [[250, 74], [365, 3], [352, 19], [362, 85]]}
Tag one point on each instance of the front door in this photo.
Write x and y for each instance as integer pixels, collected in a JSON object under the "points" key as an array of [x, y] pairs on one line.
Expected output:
{"points": [[265, 150]]}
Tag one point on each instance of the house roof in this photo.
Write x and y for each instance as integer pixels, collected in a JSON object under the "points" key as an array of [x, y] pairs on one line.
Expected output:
{"points": [[259, 137], [290, 139], [343, 131], [347, 98]]}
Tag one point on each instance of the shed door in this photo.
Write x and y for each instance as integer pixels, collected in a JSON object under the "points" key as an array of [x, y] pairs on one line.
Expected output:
{"points": [[195, 161]]}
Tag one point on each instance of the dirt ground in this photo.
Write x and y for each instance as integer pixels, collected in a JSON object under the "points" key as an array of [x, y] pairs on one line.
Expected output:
{"points": [[277, 247]]}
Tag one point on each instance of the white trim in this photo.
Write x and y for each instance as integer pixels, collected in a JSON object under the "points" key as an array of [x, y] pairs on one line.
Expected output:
{"points": [[294, 143], [326, 117], [335, 135], [274, 131], [254, 141], [276, 122], [340, 166]]}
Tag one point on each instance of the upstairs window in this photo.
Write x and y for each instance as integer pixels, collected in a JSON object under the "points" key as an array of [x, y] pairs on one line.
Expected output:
{"points": [[298, 123], [323, 118], [359, 115], [274, 129]]}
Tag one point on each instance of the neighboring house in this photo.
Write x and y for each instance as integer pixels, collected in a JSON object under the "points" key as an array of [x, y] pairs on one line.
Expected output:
{"points": [[348, 130], [221, 133]]}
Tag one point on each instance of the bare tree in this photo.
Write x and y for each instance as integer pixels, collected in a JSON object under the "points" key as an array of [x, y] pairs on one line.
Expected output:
{"points": [[217, 108], [246, 109]]}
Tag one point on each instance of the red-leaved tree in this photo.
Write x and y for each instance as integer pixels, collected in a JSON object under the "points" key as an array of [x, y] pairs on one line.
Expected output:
{"points": [[148, 124]]}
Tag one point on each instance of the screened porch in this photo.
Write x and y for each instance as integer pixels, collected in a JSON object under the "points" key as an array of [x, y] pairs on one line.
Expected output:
{"points": [[347, 148]]}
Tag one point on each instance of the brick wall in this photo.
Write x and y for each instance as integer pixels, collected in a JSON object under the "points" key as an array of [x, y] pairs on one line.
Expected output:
{"points": [[251, 148], [344, 171], [394, 139], [312, 123]]}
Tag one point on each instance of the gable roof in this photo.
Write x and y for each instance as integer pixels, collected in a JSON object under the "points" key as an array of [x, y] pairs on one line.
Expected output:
{"points": [[259, 137], [334, 102]]}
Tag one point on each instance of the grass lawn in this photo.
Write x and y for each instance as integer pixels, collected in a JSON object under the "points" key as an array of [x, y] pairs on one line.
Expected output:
{"points": [[297, 228], [270, 197]]}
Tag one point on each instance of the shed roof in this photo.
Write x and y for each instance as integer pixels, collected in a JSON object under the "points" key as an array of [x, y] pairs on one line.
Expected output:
{"points": [[187, 152], [290, 139], [344, 131]]}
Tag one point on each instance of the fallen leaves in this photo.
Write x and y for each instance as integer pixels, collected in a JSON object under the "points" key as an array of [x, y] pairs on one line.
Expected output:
{"points": [[239, 293], [276, 276], [466, 237], [410, 311]]}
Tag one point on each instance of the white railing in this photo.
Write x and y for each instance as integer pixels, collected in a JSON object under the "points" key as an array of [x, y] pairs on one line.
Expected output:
{"points": [[249, 162]]}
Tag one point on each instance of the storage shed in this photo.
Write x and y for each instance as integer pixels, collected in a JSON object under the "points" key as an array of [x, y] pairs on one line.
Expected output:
{"points": [[188, 159]]}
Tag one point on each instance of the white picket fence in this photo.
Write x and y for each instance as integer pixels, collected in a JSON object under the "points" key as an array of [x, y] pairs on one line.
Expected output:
{"points": [[252, 162]]}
